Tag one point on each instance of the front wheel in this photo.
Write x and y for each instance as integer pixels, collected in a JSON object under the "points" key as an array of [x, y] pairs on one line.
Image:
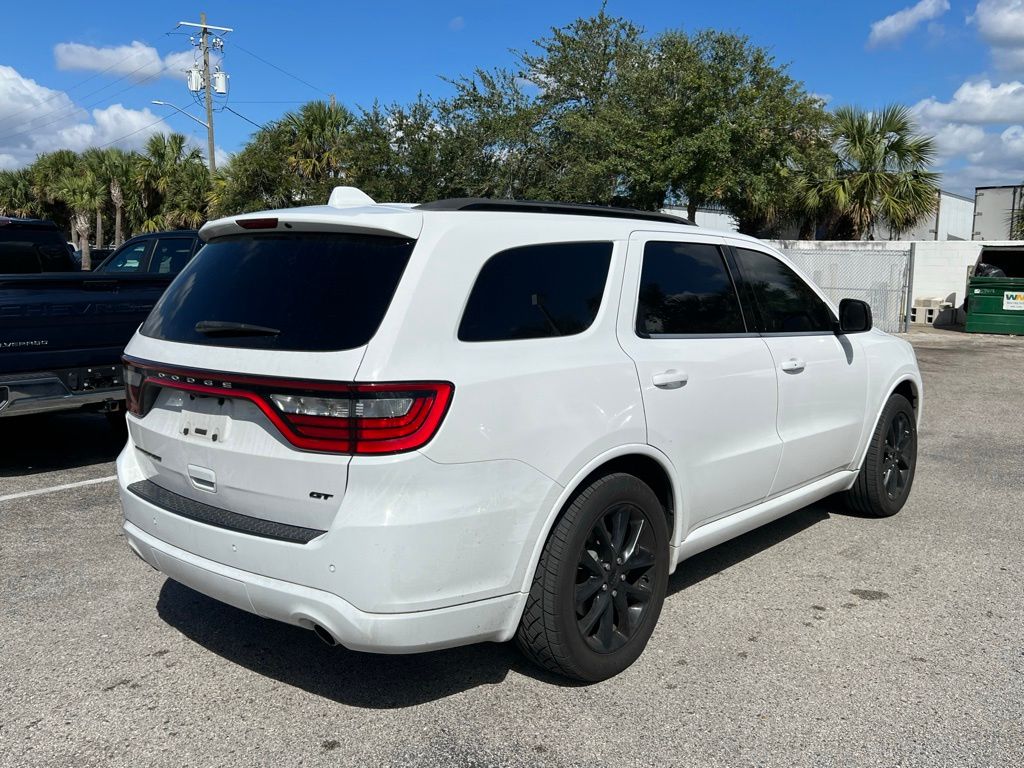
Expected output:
{"points": [[887, 474], [600, 583]]}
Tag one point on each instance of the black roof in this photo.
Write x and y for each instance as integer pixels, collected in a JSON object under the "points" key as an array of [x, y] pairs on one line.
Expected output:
{"points": [[10, 221], [541, 206]]}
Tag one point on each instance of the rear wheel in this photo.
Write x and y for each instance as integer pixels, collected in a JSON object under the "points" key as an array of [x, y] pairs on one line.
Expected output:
{"points": [[600, 583], [887, 474]]}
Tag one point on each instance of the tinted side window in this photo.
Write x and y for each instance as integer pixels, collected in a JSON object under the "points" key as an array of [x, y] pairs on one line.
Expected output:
{"points": [[787, 303], [686, 288], [131, 259], [537, 291], [171, 255]]}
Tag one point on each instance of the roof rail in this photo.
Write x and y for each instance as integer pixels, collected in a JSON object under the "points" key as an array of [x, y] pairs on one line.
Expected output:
{"points": [[540, 206]]}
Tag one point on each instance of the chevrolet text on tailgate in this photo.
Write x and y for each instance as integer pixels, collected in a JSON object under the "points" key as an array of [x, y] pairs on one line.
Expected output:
{"points": [[63, 331], [409, 428]]}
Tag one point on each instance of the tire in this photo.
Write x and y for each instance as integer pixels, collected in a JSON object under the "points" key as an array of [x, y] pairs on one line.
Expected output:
{"points": [[887, 475], [617, 517]]}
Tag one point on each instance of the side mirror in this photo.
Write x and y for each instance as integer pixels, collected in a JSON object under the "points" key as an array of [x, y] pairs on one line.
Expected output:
{"points": [[854, 316]]}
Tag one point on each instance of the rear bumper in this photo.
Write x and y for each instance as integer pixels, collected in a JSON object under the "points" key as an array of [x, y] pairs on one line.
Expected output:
{"points": [[23, 394], [493, 619]]}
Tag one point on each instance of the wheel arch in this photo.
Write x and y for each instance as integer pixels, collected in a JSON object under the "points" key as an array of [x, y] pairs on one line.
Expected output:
{"points": [[642, 461], [908, 386]]}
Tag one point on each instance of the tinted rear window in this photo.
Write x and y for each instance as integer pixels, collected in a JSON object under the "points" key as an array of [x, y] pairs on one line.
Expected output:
{"points": [[537, 291], [319, 292], [25, 250]]}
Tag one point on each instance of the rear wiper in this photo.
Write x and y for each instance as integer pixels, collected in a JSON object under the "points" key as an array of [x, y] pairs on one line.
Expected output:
{"points": [[227, 328]]}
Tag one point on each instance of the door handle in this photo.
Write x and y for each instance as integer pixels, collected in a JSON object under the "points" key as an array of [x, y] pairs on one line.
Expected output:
{"points": [[793, 365], [671, 379]]}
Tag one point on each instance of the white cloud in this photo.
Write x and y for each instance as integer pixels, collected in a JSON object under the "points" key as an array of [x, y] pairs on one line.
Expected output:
{"points": [[1000, 22], [977, 103], [137, 60], [954, 139], [34, 119], [985, 158], [894, 28], [457, 24]]}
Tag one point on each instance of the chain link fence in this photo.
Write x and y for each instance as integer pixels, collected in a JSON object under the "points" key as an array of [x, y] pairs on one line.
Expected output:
{"points": [[879, 277]]}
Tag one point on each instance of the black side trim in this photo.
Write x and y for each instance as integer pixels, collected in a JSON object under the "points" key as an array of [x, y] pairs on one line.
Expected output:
{"points": [[221, 518]]}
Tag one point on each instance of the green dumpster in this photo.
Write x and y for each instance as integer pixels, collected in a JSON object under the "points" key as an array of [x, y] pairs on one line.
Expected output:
{"points": [[995, 305], [995, 293]]}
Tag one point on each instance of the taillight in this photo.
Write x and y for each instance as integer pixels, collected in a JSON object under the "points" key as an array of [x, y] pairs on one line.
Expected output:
{"points": [[366, 418], [133, 389], [313, 415]]}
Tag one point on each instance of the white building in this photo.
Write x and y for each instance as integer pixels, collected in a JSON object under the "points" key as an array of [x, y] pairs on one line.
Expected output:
{"points": [[952, 220]]}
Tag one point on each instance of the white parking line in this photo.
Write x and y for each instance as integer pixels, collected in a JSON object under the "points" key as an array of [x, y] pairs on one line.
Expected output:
{"points": [[53, 488]]}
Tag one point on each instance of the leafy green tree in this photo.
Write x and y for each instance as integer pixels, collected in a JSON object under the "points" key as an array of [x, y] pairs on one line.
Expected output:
{"points": [[258, 177], [737, 120]]}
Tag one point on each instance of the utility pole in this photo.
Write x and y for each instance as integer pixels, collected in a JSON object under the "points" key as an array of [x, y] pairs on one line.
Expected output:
{"points": [[204, 44], [207, 77]]}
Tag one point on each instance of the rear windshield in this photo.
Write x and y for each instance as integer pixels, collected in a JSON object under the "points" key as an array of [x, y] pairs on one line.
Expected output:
{"points": [[303, 292], [25, 250]]}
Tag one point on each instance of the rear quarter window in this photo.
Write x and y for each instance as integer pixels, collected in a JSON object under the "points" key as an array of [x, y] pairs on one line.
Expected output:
{"points": [[537, 291], [311, 292]]}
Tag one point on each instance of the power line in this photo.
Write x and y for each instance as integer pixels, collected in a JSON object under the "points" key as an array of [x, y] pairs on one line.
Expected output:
{"points": [[77, 85], [69, 111], [129, 135], [283, 71], [229, 109], [296, 101]]}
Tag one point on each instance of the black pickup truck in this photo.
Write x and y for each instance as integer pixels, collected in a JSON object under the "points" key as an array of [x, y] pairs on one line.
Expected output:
{"points": [[62, 331]]}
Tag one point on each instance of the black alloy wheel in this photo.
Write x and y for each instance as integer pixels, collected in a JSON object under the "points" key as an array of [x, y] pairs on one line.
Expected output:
{"points": [[897, 456], [887, 474], [601, 581], [614, 578]]}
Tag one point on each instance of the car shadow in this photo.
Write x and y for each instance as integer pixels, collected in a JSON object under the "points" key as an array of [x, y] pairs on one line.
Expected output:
{"points": [[296, 657], [48, 442]]}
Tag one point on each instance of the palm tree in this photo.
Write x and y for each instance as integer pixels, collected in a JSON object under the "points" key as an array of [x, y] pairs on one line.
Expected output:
{"points": [[880, 171], [118, 173], [82, 193], [47, 171], [16, 197], [318, 138], [157, 172], [187, 200], [95, 160]]}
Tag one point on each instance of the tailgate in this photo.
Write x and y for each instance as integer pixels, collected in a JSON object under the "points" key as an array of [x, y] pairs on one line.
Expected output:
{"points": [[60, 321], [240, 381]]}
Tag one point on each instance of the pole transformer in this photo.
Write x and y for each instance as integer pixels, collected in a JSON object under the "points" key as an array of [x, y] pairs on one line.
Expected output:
{"points": [[207, 78]]}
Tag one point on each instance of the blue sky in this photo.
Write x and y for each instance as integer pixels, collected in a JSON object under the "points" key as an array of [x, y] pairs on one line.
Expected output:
{"points": [[83, 74]]}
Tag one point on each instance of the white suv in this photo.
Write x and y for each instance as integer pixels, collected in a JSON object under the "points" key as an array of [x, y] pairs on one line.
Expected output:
{"points": [[410, 428]]}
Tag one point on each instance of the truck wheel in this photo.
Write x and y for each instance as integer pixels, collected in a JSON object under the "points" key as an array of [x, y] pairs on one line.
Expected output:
{"points": [[887, 474], [600, 583]]}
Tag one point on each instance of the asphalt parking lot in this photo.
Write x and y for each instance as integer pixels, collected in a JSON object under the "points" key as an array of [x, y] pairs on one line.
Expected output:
{"points": [[822, 639]]}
